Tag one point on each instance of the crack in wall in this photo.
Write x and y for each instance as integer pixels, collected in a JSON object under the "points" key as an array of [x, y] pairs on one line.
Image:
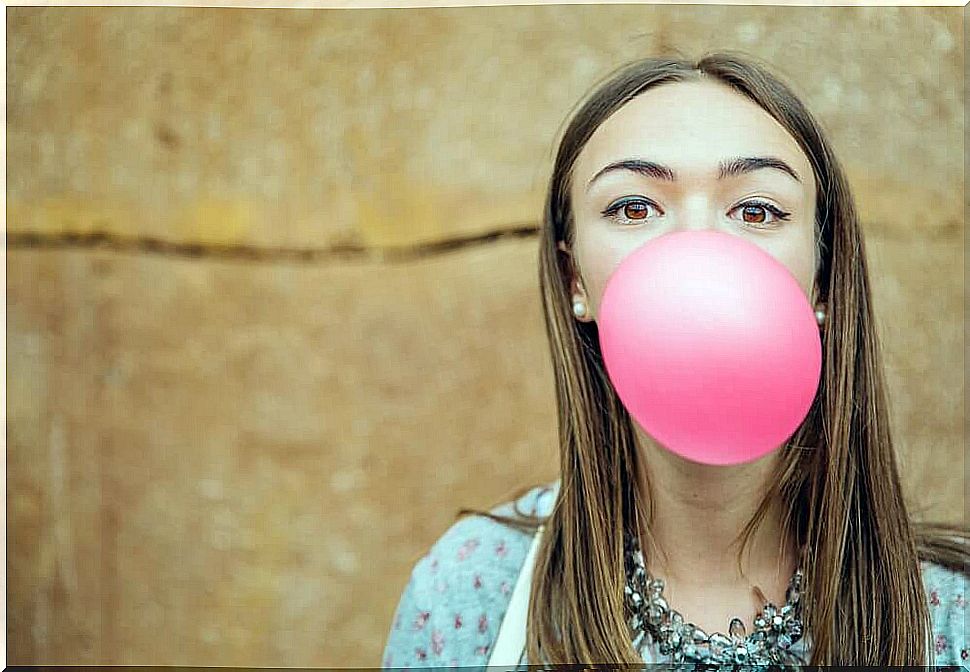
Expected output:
{"points": [[196, 250]]}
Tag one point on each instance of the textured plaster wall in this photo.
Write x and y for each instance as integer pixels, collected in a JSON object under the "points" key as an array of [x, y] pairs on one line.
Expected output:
{"points": [[237, 416]]}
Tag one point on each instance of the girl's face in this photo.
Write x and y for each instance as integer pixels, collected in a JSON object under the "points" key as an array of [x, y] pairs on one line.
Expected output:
{"points": [[654, 167]]}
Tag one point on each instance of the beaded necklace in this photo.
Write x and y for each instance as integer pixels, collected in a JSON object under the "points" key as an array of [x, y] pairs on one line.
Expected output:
{"points": [[771, 643]]}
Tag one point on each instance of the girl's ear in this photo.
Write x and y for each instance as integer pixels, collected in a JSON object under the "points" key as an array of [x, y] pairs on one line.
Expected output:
{"points": [[577, 294], [569, 267], [816, 299]]}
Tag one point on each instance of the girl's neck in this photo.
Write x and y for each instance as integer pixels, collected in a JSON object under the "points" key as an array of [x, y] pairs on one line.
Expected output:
{"points": [[700, 511]]}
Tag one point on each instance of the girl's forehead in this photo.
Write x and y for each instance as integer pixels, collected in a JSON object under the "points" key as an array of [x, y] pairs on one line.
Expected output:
{"points": [[691, 126]]}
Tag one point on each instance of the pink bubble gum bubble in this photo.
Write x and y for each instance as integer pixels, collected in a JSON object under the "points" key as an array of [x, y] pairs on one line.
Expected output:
{"points": [[711, 345]]}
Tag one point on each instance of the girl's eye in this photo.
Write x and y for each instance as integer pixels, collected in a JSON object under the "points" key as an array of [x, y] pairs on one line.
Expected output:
{"points": [[630, 211], [756, 213]]}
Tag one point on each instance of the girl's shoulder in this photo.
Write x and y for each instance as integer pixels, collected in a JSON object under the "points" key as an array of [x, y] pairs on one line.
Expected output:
{"points": [[948, 591], [459, 590]]}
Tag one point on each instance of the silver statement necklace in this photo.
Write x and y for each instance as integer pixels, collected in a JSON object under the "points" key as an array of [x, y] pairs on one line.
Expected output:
{"points": [[776, 630]]}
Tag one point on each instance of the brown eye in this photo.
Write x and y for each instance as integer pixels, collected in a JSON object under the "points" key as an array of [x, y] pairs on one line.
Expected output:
{"points": [[636, 210], [630, 211], [761, 214], [754, 214]]}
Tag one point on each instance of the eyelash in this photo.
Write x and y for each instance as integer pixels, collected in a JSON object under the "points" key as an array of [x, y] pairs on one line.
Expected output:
{"points": [[780, 214]]}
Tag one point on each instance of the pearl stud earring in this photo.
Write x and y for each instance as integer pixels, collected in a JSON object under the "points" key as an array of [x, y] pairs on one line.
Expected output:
{"points": [[579, 308], [820, 317]]}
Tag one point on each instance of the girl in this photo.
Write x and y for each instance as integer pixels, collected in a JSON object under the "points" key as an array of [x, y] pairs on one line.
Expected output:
{"points": [[807, 555]]}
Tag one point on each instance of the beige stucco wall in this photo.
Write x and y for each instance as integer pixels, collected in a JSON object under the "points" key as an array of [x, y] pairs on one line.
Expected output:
{"points": [[236, 417]]}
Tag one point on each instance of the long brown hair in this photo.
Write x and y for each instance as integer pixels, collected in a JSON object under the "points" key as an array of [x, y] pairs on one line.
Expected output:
{"points": [[864, 601]]}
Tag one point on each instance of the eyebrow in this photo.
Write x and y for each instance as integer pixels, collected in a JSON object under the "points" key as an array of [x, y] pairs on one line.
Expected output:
{"points": [[733, 167]]}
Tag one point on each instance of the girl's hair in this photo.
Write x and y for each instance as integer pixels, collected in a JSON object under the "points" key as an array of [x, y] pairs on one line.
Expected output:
{"points": [[864, 601]]}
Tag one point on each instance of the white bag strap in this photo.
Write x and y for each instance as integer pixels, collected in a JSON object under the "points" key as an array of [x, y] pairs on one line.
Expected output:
{"points": [[510, 643]]}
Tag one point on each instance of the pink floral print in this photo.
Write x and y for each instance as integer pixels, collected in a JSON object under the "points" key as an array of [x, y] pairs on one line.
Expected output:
{"points": [[421, 619], [437, 642], [467, 548]]}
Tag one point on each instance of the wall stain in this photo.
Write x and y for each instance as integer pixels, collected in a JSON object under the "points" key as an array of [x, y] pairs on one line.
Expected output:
{"points": [[166, 136]]}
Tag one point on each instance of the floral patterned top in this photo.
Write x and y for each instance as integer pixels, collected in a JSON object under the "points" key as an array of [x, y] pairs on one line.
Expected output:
{"points": [[453, 605]]}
